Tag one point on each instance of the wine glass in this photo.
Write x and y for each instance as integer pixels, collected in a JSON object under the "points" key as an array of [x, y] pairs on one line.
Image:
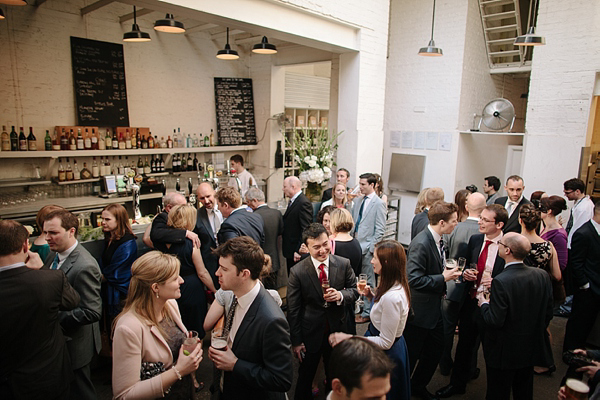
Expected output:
{"points": [[190, 342], [325, 285], [461, 267]]}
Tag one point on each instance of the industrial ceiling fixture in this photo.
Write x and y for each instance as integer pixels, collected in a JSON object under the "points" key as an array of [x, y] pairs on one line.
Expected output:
{"points": [[530, 38], [431, 50], [14, 2], [169, 25], [2, 14], [227, 53], [136, 35], [264, 47]]}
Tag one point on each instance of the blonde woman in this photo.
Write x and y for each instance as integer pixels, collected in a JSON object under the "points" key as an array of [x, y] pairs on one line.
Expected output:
{"points": [[339, 197], [148, 335], [192, 302]]}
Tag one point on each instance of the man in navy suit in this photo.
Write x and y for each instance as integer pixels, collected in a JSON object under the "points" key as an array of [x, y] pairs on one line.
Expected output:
{"points": [[512, 203], [238, 221]]}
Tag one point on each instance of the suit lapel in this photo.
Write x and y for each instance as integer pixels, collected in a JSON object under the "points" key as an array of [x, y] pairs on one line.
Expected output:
{"points": [[248, 318], [435, 250], [333, 271], [312, 275], [157, 335], [68, 263], [205, 221], [291, 206]]}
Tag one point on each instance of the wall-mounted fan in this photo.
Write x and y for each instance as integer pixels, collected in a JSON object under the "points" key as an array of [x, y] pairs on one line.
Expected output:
{"points": [[497, 115]]}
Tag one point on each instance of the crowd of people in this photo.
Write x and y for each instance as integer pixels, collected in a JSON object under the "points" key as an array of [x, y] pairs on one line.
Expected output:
{"points": [[496, 268]]}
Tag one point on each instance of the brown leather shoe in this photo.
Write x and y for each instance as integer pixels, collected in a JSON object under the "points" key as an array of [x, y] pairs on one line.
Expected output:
{"points": [[361, 320]]}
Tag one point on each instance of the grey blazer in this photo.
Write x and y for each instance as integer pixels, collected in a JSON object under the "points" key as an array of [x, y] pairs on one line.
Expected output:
{"points": [[372, 224], [81, 325], [273, 220], [458, 242]]}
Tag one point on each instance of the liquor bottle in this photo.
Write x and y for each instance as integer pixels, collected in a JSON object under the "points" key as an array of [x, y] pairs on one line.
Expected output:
{"points": [[103, 167], [72, 141], [79, 145], [122, 145], [174, 163], [140, 166], [56, 140], [153, 165], [138, 139], [87, 140], [190, 186], [212, 139], [47, 141], [127, 139], [190, 163], [115, 141], [69, 172], [107, 167], [101, 141], [22, 140], [150, 141], [85, 172], [175, 139], [161, 164], [163, 142], [195, 164], [134, 138], [144, 142], [147, 169], [188, 141], [62, 175], [201, 141], [64, 140], [169, 142], [76, 173], [95, 169], [108, 140], [5, 139], [278, 156], [121, 167], [14, 140], [183, 163], [206, 140], [31, 141], [177, 185], [95, 144], [195, 140], [156, 142]]}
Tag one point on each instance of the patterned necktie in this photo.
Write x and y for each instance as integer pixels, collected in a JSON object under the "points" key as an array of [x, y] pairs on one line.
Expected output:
{"points": [[322, 274], [570, 222], [442, 252], [55, 262], [360, 212], [481, 267], [230, 315]]}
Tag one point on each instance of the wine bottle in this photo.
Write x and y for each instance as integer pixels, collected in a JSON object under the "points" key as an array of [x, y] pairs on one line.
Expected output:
{"points": [[79, 145], [31, 141], [169, 142], [87, 140], [278, 156], [177, 185], [140, 166], [47, 141], [108, 140], [183, 163], [161, 167], [195, 164], [22, 140], [175, 163], [190, 163], [153, 165], [14, 140], [62, 175], [206, 141], [5, 139]]}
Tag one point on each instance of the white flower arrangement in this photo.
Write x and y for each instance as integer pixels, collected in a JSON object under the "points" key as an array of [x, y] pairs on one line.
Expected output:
{"points": [[313, 152]]}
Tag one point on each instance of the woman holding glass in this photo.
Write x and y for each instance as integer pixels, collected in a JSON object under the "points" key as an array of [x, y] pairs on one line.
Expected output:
{"points": [[391, 304], [148, 357]]}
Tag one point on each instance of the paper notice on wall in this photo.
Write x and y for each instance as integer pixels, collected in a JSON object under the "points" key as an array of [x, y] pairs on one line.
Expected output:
{"points": [[445, 141], [407, 139], [395, 138], [419, 141], [432, 140]]}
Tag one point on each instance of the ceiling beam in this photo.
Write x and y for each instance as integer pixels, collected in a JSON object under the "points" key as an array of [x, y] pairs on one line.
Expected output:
{"points": [[140, 13], [95, 6], [200, 28]]}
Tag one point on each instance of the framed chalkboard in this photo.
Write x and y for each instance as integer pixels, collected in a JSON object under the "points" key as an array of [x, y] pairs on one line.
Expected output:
{"points": [[235, 111], [99, 79]]}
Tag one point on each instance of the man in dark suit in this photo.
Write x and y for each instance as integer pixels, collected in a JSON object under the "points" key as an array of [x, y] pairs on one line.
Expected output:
{"points": [[298, 215], [273, 220], [82, 271], [514, 188], [238, 221], [257, 363], [482, 250], [584, 262], [516, 317], [35, 362], [312, 314], [420, 221], [427, 279], [158, 231], [342, 176]]}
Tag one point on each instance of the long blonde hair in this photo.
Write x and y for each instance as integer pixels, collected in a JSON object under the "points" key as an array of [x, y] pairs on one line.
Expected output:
{"points": [[182, 216], [153, 267], [334, 199]]}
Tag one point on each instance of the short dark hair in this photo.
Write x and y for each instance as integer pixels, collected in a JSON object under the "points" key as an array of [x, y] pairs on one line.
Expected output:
{"points": [[514, 178], [313, 231], [556, 204], [354, 358], [246, 254], [68, 220], [323, 211], [574, 184], [500, 213], [493, 181], [237, 158], [346, 171], [371, 178], [12, 237], [441, 211]]}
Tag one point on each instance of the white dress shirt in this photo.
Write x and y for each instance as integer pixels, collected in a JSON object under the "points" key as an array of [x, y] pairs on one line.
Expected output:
{"points": [[215, 218], [583, 211], [389, 316], [244, 178], [366, 200], [12, 266], [316, 264], [241, 309], [62, 256], [514, 205], [436, 239], [492, 251], [294, 197]]}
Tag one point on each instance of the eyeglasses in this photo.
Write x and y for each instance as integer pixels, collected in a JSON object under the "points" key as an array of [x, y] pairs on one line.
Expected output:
{"points": [[568, 191], [486, 220], [499, 242]]}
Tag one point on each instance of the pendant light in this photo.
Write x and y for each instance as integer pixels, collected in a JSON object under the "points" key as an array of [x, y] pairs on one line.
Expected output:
{"points": [[530, 38], [169, 25], [227, 53], [264, 47], [14, 2], [431, 50], [2, 14], [136, 35]]}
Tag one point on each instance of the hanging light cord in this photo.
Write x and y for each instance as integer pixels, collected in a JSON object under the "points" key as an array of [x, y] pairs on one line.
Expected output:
{"points": [[134, 16], [432, 19]]}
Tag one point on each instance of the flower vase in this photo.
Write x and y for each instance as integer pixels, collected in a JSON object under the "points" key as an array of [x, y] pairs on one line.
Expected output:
{"points": [[313, 191]]}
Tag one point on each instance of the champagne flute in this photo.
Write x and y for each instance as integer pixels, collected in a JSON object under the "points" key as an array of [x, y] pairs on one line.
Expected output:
{"points": [[325, 285], [362, 282], [461, 267]]}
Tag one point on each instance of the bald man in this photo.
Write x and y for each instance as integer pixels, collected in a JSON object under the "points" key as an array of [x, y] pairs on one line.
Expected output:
{"points": [[297, 217], [208, 222]]}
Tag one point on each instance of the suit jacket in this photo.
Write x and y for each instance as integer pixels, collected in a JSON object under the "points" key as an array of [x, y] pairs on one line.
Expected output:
{"points": [[35, 362], [457, 247], [372, 224], [242, 223], [80, 325], [516, 317], [326, 195], [273, 221], [306, 314], [161, 232], [136, 341], [584, 257], [264, 368], [297, 217], [513, 221], [419, 222], [427, 286], [491, 199], [208, 243]]}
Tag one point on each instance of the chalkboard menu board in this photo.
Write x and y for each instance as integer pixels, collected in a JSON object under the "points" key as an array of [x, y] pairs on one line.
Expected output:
{"points": [[99, 79], [235, 111]]}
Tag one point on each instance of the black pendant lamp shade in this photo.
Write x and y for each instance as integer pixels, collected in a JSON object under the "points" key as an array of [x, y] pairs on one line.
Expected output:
{"points": [[14, 2], [264, 47], [227, 53], [136, 35], [430, 50], [169, 25], [2, 14]]}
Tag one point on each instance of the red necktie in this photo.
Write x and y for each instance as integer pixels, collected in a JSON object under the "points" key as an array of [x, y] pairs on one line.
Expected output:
{"points": [[481, 267], [322, 274]]}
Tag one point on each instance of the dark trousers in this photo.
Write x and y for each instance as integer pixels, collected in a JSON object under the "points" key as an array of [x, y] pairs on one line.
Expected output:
{"points": [[586, 306], [500, 382], [308, 369], [82, 387], [450, 313], [469, 329], [425, 346]]}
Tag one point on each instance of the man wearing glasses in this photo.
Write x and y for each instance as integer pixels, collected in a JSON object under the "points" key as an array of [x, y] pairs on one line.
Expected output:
{"points": [[516, 317], [583, 209]]}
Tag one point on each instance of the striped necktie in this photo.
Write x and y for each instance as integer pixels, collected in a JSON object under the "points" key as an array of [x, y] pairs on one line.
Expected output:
{"points": [[55, 262]]}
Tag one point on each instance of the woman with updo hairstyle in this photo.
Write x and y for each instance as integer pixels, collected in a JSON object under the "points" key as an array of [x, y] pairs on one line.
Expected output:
{"points": [[148, 357], [460, 199], [192, 302], [550, 208]]}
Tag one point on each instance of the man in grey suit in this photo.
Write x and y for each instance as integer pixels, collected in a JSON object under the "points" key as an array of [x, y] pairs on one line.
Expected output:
{"points": [[82, 271], [273, 219], [491, 185], [369, 214]]}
